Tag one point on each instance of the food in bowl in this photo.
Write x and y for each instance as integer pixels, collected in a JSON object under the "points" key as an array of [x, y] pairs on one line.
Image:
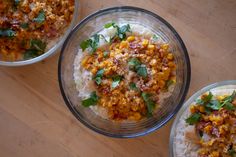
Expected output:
{"points": [[208, 127], [124, 72], [28, 28]]}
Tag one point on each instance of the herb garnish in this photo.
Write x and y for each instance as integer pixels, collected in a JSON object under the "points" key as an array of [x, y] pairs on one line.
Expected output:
{"points": [[150, 103], [24, 25], [105, 54], [7, 33], [37, 47], [120, 31], [92, 100], [40, 18], [116, 80], [139, 68], [133, 86], [91, 43], [98, 76], [193, 119]]}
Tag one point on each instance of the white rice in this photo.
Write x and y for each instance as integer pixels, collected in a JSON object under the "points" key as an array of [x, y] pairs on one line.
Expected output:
{"points": [[182, 144]]}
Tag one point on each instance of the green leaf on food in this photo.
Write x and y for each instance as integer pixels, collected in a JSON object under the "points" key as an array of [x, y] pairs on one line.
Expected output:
{"points": [[149, 102], [98, 76], [133, 62], [24, 25], [207, 98], [214, 105], [108, 25], [121, 31], [91, 43], [232, 152], [116, 81], [7, 33], [105, 54], [230, 98], [229, 106], [155, 37], [169, 83], [193, 119], [199, 102], [40, 18], [142, 70], [92, 100], [16, 2], [133, 86], [29, 54], [37, 45]]}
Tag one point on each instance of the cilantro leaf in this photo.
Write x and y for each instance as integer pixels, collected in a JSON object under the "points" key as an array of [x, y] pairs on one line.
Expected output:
{"points": [[91, 43], [232, 152], [199, 102], [133, 62], [193, 119], [40, 18], [150, 103], [7, 33], [142, 71], [92, 100], [214, 104], [105, 54], [24, 25], [37, 45], [133, 86], [229, 106], [108, 25], [116, 81], [31, 54], [208, 97], [155, 37], [231, 97], [98, 76], [121, 31]]}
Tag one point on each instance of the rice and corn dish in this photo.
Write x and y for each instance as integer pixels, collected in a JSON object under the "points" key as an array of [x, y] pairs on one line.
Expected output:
{"points": [[127, 73], [29, 27], [214, 121]]}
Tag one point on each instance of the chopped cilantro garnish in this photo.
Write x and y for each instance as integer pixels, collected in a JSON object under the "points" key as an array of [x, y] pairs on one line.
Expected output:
{"points": [[133, 86], [24, 25], [214, 105], [105, 54], [37, 44], [207, 98], [7, 33], [91, 43], [139, 68], [40, 18], [92, 100], [31, 54], [199, 102], [229, 106], [98, 76], [155, 37], [116, 81], [121, 31], [108, 25], [232, 152], [193, 119], [142, 70], [150, 103]]}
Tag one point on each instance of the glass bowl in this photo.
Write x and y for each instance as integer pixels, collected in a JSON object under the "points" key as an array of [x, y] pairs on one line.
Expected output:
{"points": [[228, 87], [53, 49], [94, 23]]}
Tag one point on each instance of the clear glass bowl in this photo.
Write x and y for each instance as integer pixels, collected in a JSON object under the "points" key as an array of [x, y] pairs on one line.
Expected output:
{"points": [[94, 23], [53, 49], [230, 85]]}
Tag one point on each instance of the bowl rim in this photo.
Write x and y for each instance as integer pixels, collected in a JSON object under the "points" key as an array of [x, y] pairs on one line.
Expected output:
{"points": [[166, 117], [53, 49], [189, 102]]}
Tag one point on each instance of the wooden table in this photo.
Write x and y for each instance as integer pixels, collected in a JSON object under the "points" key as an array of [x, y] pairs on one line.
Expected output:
{"points": [[35, 122]]}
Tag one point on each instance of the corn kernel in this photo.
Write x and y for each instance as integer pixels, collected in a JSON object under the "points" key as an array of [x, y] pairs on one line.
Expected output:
{"points": [[130, 38], [153, 62], [145, 43], [170, 56], [202, 109], [165, 47], [192, 109], [123, 44], [151, 47], [162, 84]]}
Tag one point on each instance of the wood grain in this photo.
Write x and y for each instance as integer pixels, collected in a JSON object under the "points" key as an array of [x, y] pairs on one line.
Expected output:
{"points": [[34, 120]]}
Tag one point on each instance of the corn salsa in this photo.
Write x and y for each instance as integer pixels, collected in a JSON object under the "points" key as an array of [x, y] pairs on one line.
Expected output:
{"points": [[128, 72], [28, 27]]}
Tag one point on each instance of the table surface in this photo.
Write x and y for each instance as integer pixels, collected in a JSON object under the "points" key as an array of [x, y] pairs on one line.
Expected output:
{"points": [[34, 121]]}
